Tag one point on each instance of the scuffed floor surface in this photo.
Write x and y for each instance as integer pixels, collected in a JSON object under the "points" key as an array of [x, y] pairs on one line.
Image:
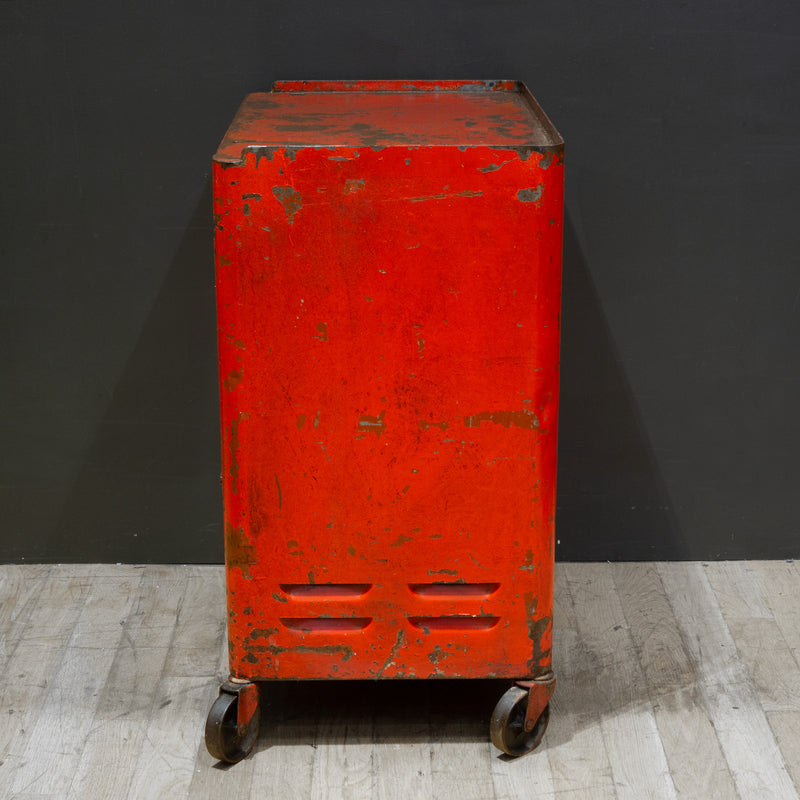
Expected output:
{"points": [[674, 680]]}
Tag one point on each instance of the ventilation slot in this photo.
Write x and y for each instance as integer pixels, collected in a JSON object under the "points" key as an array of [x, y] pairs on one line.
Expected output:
{"points": [[314, 591], [326, 624], [454, 623], [454, 589]]}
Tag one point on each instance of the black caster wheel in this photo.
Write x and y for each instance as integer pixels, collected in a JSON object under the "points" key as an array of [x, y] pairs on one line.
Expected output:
{"points": [[507, 727], [226, 740]]}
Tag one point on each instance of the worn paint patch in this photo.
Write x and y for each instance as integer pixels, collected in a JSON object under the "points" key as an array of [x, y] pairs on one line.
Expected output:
{"points": [[290, 199], [352, 185], [537, 628], [280, 494], [519, 419], [233, 449], [239, 552], [399, 641], [524, 153], [494, 167], [301, 421], [420, 341], [262, 152], [223, 261], [263, 633], [401, 540], [366, 422], [322, 332], [424, 424], [445, 196], [528, 565], [233, 380], [253, 196], [532, 195], [342, 650]]}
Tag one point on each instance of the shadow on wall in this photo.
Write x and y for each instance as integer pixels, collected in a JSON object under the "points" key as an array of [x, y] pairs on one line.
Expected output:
{"points": [[613, 503], [148, 489]]}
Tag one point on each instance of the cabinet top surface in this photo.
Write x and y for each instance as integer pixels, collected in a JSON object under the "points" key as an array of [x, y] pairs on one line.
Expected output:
{"points": [[499, 114]]}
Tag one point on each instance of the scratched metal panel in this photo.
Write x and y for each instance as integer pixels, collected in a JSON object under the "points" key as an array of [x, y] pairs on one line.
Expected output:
{"points": [[388, 308]]}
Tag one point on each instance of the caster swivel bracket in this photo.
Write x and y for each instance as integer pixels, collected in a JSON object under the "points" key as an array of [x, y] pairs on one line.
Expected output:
{"points": [[540, 690], [248, 701]]}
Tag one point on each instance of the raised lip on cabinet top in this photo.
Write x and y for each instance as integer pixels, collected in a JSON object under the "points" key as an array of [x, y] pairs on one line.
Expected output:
{"points": [[500, 114]]}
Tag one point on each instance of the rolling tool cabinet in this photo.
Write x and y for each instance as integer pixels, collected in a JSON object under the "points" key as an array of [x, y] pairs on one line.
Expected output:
{"points": [[388, 271]]}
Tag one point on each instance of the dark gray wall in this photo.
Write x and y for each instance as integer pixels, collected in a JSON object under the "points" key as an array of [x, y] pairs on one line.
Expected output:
{"points": [[681, 342]]}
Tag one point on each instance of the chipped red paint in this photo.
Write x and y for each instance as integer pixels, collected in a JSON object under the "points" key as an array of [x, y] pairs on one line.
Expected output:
{"points": [[388, 283]]}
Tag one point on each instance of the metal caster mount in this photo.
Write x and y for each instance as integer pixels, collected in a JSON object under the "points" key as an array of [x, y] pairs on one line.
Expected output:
{"points": [[233, 721], [517, 725], [520, 717]]}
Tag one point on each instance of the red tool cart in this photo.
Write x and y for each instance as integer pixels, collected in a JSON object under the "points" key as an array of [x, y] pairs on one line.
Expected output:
{"points": [[388, 287]]}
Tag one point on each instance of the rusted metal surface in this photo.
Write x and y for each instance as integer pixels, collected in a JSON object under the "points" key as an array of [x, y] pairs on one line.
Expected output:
{"points": [[388, 286]]}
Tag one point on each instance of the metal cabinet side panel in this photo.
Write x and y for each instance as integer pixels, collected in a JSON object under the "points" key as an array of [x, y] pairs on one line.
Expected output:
{"points": [[388, 337]]}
